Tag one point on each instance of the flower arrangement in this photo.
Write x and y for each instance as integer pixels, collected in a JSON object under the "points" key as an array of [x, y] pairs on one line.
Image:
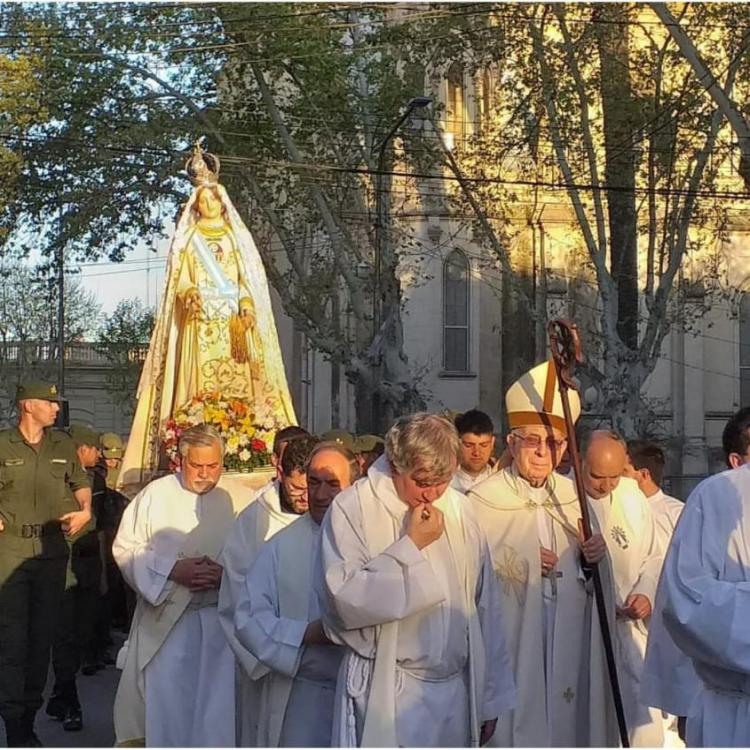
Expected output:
{"points": [[248, 429]]}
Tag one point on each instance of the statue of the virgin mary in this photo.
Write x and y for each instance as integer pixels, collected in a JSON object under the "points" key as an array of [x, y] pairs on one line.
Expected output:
{"points": [[215, 330]]}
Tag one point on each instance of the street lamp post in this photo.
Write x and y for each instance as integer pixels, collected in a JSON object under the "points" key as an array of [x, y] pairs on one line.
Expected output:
{"points": [[380, 235], [381, 213]]}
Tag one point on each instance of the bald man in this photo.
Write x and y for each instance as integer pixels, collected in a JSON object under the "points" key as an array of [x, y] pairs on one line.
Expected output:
{"points": [[621, 514], [277, 618]]}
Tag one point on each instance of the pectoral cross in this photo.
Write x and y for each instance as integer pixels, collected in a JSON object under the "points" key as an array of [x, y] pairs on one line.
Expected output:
{"points": [[553, 575], [569, 694]]}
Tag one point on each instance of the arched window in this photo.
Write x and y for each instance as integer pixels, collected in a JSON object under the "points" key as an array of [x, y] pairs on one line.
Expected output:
{"points": [[745, 350], [484, 98], [455, 118], [456, 313]]}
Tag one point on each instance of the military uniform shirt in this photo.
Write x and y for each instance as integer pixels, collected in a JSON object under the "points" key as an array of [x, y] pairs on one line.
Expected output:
{"points": [[33, 490]]}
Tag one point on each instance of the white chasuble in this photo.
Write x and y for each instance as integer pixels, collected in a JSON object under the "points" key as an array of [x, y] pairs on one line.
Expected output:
{"points": [[550, 622], [705, 596], [425, 661], [255, 525], [297, 683], [635, 555], [177, 685]]}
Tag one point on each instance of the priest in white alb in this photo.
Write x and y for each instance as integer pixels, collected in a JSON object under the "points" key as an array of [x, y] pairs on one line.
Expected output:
{"points": [[645, 465], [622, 515], [409, 591], [670, 671], [276, 505], [531, 517], [697, 660], [277, 617], [177, 684]]}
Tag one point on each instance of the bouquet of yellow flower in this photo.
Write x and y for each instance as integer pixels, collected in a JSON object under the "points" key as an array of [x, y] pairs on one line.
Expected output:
{"points": [[248, 429]]}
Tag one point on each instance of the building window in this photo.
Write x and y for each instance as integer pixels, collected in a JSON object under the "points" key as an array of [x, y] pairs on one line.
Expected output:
{"points": [[745, 350], [454, 106], [456, 313], [484, 100]]}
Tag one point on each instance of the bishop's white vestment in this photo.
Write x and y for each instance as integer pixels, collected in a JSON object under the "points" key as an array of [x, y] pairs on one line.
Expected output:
{"points": [[425, 662], [625, 520], [257, 523], [550, 622], [705, 596], [177, 684], [297, 682]]}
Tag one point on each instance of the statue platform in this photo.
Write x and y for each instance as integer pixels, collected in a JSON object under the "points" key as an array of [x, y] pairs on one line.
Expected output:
{"points": [[242, 486], [239, 484]]}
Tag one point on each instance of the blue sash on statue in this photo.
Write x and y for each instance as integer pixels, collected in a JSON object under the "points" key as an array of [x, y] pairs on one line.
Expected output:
{"points": [[224, 289]]}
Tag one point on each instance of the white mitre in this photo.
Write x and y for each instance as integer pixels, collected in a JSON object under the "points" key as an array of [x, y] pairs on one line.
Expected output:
{"points": [[534, 399]]}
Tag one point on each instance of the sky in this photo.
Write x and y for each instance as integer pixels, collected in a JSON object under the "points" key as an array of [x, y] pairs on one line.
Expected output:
{"points": [[140, 275]]}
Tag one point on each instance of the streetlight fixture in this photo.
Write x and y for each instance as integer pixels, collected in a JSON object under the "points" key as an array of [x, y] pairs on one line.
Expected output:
{"points": [[417, 102]]}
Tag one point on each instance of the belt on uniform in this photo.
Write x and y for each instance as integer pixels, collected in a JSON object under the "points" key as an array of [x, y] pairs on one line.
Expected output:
{"points": [[36, 530]]}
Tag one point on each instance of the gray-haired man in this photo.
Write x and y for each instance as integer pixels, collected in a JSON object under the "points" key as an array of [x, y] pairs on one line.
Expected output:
{"points": [[177, 685], [410, 592]]}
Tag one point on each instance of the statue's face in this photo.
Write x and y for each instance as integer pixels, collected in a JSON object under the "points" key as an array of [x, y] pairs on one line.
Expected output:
{"points": [[209, 206]]}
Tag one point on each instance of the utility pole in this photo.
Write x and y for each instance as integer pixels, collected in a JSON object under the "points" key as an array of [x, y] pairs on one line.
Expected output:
{"points": [[382, 238], [61, 311]]}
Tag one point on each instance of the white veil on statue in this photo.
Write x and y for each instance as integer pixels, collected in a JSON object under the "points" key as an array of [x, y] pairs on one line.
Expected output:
{"points": [[156, 389]]}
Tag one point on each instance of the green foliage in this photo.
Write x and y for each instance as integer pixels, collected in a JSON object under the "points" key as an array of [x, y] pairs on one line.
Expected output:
{"points": [[123, 339], [130, 324], [21, 107], [29, 302]]}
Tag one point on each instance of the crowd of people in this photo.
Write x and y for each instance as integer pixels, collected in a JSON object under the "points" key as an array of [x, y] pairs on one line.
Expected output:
{"points": [[61, 592], [428, 589]]}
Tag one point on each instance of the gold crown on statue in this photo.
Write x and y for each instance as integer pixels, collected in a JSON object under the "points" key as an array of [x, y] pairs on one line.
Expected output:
{"points": [[202, 167]]}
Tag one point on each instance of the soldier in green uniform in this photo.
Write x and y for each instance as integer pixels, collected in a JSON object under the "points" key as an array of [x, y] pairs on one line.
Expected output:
{"points": [[342, 437], [81, 601], [37, 467], [367, 450], [119, 600]]}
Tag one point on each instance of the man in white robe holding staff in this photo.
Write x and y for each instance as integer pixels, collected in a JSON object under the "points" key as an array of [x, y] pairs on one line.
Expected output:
{"points": [[531, 516], [410, 592]]}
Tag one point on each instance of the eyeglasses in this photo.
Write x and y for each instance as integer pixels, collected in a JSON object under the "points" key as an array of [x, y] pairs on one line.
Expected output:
{"points": [[534, 442]]}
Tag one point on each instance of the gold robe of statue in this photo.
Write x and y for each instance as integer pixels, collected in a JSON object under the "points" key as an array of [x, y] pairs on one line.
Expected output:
{"points": [[215, 330], [216, 312]]}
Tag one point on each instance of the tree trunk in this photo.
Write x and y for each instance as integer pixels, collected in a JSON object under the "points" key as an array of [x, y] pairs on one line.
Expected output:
{"points": [[620, 163]]}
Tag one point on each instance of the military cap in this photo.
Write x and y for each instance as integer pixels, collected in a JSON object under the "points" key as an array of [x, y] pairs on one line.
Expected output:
{"points": [[37, 389], [366, 443], [111, 445], [84, 435], [342, 437]]}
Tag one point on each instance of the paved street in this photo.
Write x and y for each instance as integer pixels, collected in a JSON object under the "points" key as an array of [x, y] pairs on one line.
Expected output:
{"points": [[97, 694]]}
